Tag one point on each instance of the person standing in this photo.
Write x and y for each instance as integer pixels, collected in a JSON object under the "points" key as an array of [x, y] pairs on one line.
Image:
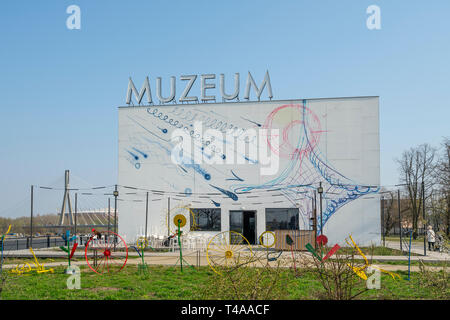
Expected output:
{"points": [[431, 237]]}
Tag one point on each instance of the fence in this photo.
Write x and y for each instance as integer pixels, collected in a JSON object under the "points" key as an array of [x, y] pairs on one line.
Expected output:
{"points": [[395, 231], [37, 242], [299, 238]]}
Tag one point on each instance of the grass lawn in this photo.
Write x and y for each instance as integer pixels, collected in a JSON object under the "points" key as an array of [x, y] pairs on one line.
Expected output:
{"points": [[376, 251], [169, 283], [413, 263], [44, 261]]}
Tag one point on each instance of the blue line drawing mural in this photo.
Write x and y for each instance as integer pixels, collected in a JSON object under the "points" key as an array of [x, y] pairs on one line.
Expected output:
{"points": [[302, 138]]}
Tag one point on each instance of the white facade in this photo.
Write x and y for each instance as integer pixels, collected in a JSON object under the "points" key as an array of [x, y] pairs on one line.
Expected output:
{"points": [[333, 141]]}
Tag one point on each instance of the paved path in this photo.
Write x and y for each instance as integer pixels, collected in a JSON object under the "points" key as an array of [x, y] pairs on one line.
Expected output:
{"points": [[57, 253], [418, 249], [171, 259]]}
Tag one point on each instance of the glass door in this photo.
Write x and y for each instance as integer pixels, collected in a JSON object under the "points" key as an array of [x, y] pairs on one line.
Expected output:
{"points": [[243, 222], [236, 224]]}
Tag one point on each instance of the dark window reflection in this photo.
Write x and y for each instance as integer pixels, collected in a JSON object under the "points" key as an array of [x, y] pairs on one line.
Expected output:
{"points": [[282, 219], [206, 219]]}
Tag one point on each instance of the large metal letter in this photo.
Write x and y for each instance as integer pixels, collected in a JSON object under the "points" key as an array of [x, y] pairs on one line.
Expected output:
{"points": [[251, 82], [172, 90], [236, 87], [205, 86], [184, 96], [132, 89]]}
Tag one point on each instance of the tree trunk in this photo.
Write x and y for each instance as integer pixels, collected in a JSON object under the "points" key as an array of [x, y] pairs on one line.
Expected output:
{"points": [[448, 215], [415, 229]]}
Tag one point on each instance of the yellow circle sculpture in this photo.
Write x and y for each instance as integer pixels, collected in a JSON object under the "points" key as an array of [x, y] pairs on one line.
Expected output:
{"points": [[142, 243], [179, 220], [181, 210], [228, 249], [267, 239]]}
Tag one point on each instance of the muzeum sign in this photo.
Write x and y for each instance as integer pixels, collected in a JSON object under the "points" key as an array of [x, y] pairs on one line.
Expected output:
{"points": [[206, 82]]}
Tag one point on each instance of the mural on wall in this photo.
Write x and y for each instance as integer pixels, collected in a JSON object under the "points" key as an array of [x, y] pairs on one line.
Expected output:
{"points": [[146, 143]]}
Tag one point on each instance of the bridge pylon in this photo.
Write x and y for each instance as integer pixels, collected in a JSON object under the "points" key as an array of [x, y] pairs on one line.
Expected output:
{"points": [[66, 204]]}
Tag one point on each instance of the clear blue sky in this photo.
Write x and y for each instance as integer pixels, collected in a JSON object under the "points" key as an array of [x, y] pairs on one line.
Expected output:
{"points": [[60, 88]]}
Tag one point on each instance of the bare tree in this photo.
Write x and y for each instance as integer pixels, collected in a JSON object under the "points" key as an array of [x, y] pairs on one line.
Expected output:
{"points": [[437, 212], [389, 217], [417, 167], [442, 174]]}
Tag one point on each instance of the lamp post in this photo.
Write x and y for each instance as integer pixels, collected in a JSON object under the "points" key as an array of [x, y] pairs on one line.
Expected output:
{"points": [[31, 218], [382, 221], [399, 213], [146, 216], [109, 214], [320, 191], [315, 219], [399, 219], [116, 194], [76, 210], [424, 221], [168, 216]]}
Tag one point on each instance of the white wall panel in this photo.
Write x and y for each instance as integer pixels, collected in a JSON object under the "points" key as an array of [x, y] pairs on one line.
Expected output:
{"points": [[333, 141]]}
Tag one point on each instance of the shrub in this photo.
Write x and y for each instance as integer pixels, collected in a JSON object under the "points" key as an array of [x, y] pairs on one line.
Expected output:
{"points": [[249, 283], [437, 281], [336, 276]]}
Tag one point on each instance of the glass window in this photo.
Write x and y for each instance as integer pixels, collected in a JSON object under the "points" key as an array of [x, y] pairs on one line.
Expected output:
{"points": [[205, 219], [282, 219], [236, 221]]}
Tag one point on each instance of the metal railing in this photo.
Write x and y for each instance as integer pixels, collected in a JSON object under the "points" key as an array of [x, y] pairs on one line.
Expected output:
{"points": [[38, 242]]}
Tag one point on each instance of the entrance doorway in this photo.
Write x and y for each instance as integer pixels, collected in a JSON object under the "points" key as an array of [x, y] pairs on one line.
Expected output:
{"points": [[244, 222]]}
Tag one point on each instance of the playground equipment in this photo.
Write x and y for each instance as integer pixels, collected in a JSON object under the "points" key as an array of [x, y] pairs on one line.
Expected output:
{"points": [[360, 270], [142, 244], [290, 242], [3, 238], [228, 249], [70, 252], [110, 259], [322, 241], [180, 221], [26, 267], [231, 250], [268, 240], [181, 211]]}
